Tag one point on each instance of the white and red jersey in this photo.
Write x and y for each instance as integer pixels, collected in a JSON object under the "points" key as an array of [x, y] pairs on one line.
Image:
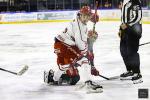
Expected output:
{"points": [[75, 34]]}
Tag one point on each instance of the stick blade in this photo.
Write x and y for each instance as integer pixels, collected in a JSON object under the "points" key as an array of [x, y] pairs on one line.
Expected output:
{"points": [[24, 69]]}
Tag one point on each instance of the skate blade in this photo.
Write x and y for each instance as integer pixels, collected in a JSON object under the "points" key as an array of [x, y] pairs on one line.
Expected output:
{"points": [[126, 78], [45, 77], [81, 86], [100, 90], [137, 81]]}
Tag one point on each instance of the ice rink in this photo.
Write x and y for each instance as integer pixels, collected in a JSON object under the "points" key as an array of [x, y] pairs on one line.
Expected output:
{"points": [[32, 45]]}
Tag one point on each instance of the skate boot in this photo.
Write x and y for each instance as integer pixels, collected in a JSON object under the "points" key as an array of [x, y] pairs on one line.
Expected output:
{"points": [[137, 78], [93, 87], [48, 76], [127, 75]]}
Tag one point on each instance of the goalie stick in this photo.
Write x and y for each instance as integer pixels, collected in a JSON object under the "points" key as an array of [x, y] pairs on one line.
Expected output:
{"points": [[22, 71]]}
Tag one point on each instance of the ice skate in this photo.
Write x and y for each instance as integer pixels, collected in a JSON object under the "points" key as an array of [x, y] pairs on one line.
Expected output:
{"points": [[127, 75], [93, 87], [48, 78], [137, 78]]}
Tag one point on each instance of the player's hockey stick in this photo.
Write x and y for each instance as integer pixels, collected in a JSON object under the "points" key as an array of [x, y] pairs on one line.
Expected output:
{"points": [[110, 78], [22, 71], [92, 62], [144, 43], [104, 77], [96, 3]]}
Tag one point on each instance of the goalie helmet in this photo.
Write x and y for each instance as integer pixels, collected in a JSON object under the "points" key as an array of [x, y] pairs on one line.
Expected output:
{"points": [[85, 10]]}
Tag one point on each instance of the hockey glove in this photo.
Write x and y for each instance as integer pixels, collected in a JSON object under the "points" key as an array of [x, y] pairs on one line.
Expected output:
{"points": [[94, 18], [123, 26], [119, 33], [92, 35], [94, 71]]}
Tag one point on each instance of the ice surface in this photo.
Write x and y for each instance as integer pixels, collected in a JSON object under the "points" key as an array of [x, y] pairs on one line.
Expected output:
{"points": [[32, 44]]}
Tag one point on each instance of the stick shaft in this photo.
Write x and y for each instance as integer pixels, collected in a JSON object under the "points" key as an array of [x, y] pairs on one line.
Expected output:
{"points": [[96, 5], [144, 43], [104, 77], [8, 71]]}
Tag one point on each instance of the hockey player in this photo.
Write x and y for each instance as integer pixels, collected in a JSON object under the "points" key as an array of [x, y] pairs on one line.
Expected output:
{"points": [[130, 33], [72, 52]]}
